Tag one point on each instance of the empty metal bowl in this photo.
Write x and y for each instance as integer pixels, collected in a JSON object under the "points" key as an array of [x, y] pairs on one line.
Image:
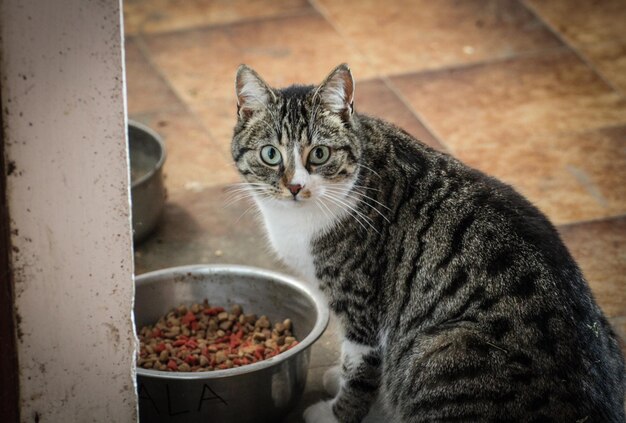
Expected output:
{"points": [[261, 392], [147, 155]]}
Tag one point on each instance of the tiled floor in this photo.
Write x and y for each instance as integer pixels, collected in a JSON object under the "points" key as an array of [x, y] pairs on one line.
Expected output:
{"points": [[531, 92]]}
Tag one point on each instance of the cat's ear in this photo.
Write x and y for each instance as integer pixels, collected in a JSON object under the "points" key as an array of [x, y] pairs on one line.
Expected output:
{"points": [[336, 93], [253, 93]]}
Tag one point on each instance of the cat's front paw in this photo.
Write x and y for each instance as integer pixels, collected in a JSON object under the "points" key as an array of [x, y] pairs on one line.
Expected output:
{"points": [[322, 412]]}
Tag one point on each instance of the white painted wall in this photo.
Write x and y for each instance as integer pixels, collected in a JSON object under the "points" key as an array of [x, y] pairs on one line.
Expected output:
{"points": [[63, 100]]}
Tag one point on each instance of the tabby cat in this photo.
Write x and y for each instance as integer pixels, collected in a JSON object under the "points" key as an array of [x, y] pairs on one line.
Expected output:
{"points": [[457, 299]]}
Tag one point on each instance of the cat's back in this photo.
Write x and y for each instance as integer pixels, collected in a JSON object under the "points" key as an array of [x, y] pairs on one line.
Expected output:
{"points": [[461, 201], [494, 273]]}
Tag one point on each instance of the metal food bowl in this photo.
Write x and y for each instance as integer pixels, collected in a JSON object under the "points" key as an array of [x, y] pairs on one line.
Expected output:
{"points": [[260, 392], [147, 155]]}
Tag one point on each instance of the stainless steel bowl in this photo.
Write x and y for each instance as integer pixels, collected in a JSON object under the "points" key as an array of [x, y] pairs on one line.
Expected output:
{"points": [[261, 392], [147, 155]]}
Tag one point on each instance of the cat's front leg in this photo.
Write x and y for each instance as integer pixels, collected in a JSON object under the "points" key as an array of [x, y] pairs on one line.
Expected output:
{"points": [[358, 387]]}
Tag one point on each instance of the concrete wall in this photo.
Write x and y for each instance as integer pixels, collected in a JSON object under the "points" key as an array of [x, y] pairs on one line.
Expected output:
{"points": [[63, 100]]}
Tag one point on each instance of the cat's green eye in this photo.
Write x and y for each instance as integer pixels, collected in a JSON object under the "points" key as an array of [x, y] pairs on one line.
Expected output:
{"points": [[270, 155], [319, 155]]}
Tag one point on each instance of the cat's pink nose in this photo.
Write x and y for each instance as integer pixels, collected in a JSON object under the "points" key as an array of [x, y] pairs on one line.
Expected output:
{"points": [[294, 189]]}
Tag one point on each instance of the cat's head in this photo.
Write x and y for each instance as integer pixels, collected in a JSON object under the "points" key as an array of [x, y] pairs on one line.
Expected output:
{"points": [[296, 145]]}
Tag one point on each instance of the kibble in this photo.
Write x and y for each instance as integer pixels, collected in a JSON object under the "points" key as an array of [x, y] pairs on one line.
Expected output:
{"points": [[202, 338]]}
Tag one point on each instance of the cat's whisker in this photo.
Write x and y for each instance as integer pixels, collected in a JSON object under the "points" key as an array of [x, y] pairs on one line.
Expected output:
{"points": [[373, 207], [372, 199], [354, 187], [237, 193], [356, 218], [238, 197], [317, 203], [235, 190], [370, 169], [354, 214], [252, 206], [354, 197], [370, 206], [231, 203], [245, 212], [243, 188], [348, 205], [248, 183], [244, 184]]}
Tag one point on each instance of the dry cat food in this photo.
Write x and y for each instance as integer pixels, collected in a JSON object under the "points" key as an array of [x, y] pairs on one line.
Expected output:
{"points": [[201, 338]]}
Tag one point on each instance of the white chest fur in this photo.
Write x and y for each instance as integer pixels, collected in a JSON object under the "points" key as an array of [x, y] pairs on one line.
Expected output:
{"points": [[290, 231], [292, 227]]}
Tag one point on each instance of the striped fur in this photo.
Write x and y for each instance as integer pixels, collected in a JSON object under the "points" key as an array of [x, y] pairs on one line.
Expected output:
{"points": [[456, 295]]}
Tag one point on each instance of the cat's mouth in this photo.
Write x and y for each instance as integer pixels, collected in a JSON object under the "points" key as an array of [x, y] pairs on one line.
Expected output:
{"points": [[297, 196], [295, 199], [301, 199]]}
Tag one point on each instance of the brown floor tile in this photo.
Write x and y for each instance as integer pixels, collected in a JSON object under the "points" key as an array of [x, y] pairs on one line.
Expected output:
{"points": [[220, 119], [193, 161], [152, 16], [295, 50], [374, 98], [201, 64], [596, 29], [514, 99], [586, 22], [570, 177], [512, 119], [610, 59], [328, 348], [189, 61], [600, 250], [313, 393], [147, 91], [408, 35]]}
